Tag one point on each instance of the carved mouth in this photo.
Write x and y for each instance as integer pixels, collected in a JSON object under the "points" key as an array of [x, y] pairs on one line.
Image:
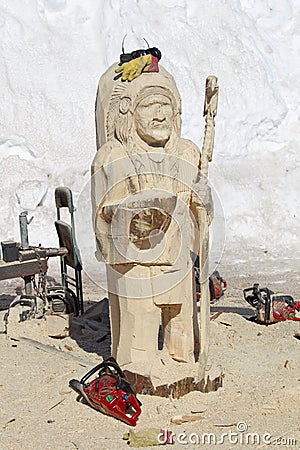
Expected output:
{"points": [[156, 124]]}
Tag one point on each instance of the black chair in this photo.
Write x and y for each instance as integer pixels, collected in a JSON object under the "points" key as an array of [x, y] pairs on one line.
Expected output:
{"points": [[66, 236]]}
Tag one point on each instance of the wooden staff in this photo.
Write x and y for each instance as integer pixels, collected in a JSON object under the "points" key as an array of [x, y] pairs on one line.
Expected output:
{"points": [[210, 111]]}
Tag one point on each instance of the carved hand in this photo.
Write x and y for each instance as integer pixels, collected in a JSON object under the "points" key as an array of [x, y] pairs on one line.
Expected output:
{"points": [[202, 198]]}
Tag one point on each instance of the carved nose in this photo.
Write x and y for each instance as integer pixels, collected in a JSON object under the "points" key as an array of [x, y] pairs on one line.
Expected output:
{"points": [[159, 114]]}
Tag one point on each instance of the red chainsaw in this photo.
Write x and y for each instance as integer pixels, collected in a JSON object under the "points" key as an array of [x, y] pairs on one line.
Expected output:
{"points": [[217, 285], [270, 307], [109, 392]]}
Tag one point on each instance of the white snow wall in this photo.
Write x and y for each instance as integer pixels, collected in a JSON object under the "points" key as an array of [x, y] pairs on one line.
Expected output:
{"points": [[53, 52]]}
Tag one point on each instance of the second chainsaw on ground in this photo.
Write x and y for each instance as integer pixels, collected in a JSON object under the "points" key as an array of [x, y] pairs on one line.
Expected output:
{"points": [[271, 307]]}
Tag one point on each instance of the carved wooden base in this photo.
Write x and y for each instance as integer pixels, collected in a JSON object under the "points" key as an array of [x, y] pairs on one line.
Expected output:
{"points": [[143, 385]]}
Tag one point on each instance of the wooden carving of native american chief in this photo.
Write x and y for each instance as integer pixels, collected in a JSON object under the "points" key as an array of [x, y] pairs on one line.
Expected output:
{"points": [[150, 203]]}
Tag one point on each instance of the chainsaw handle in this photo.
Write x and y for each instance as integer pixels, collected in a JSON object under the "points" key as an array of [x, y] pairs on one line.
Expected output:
{"points": [[247, 290], [90, 373], [257, 291], [110, 362]]}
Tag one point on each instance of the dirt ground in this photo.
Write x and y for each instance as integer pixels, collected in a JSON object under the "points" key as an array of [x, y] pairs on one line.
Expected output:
{"points": [[257, 407]]}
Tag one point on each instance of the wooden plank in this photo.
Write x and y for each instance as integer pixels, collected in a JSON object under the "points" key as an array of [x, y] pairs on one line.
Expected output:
{"points": [[16, 269]]}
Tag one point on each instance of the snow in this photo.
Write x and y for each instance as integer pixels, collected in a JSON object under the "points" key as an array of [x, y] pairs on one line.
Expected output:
{"points": [[53, 53]]}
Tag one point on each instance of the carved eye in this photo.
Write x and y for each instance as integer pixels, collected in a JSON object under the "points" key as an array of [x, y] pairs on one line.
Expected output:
{"points": [[125, 105]]}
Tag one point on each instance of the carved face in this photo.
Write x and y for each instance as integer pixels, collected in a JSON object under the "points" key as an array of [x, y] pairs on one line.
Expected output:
{"points": [[154, 119]]}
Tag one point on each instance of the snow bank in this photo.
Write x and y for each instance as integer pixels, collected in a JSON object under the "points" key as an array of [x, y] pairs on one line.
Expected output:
{"points": [[54, 52]]}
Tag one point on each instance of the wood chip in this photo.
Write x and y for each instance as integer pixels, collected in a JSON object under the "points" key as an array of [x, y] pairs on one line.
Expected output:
{"points": [[225, 425], [286, 365], [56, 404], [269, 407], [7, 423], [178, 420], [216, 315], [226, 324], [198, 409], [68, 347]]}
